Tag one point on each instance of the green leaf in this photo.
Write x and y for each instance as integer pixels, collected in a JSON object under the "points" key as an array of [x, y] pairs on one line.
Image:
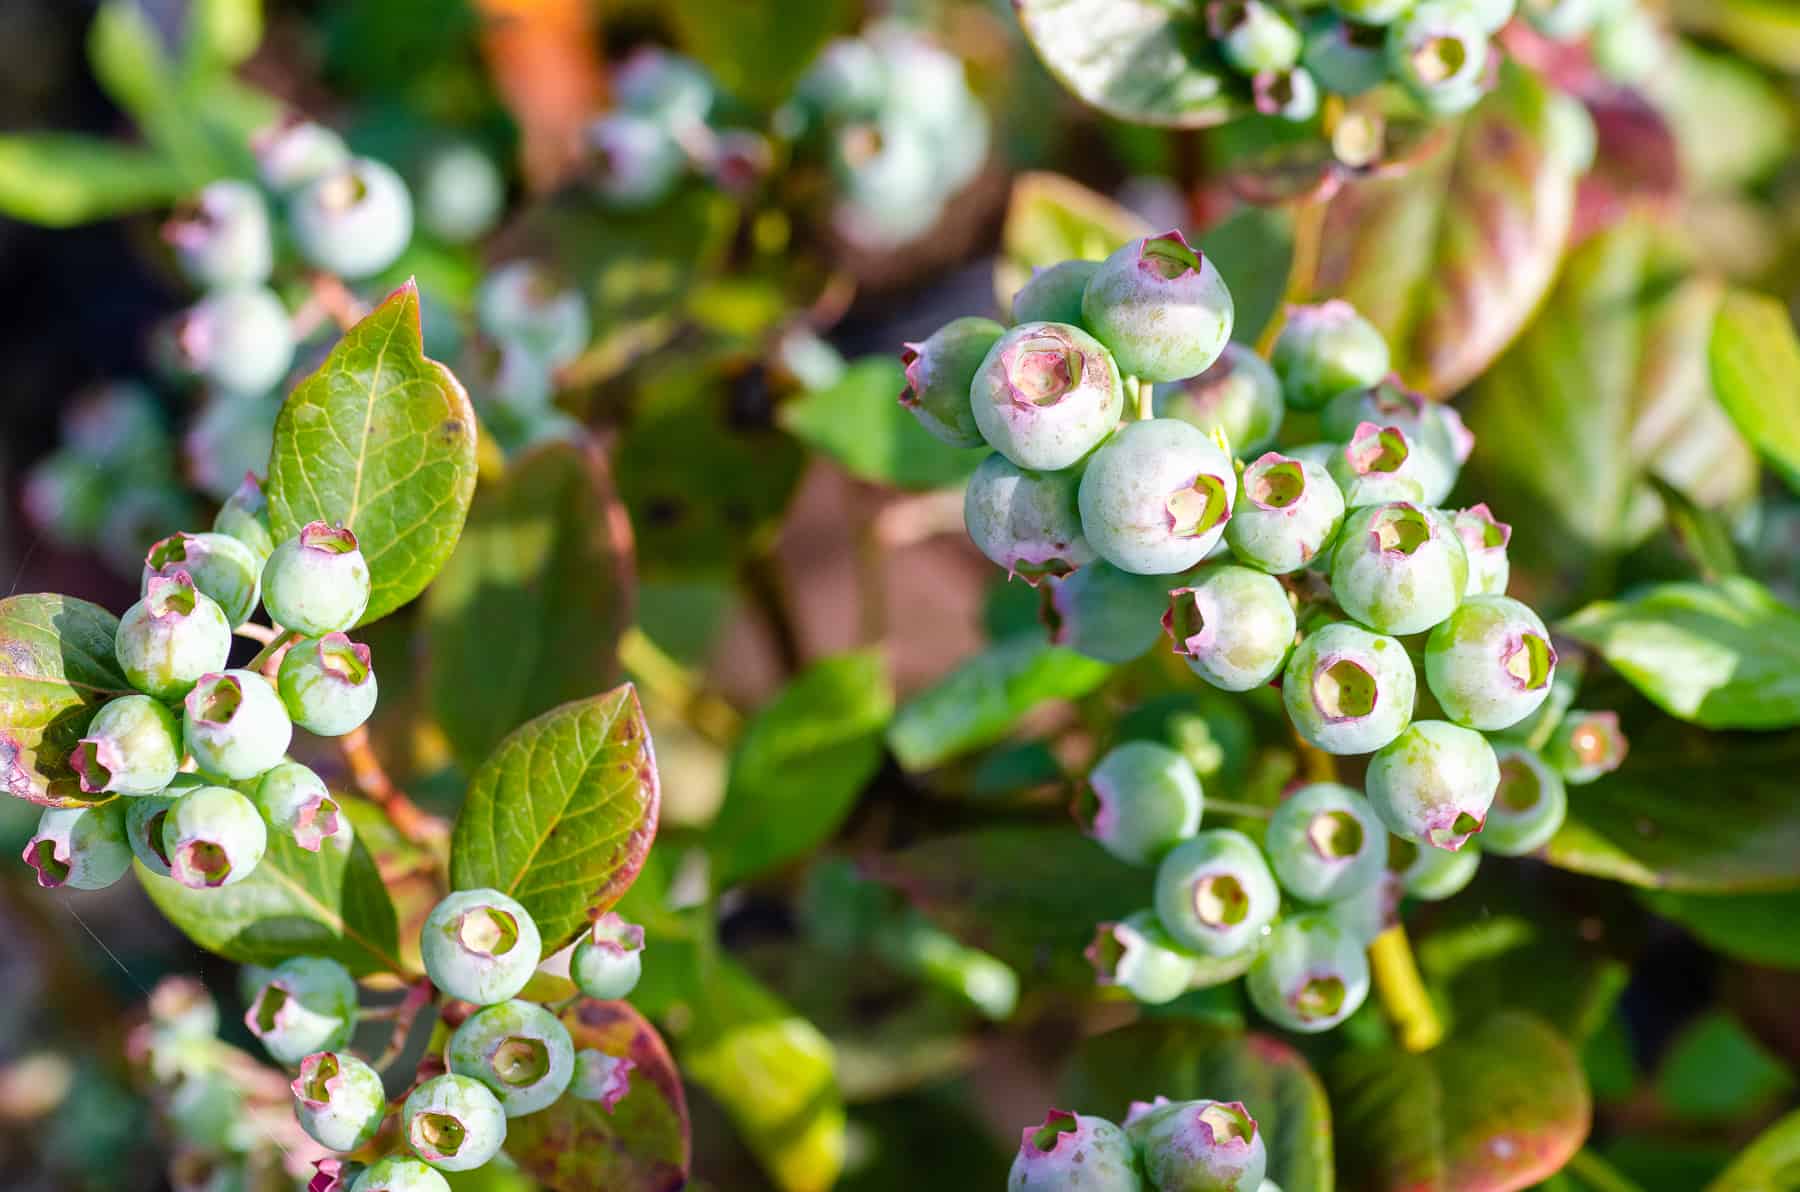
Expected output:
{"points": [[56, 670], [980, 701], [330, 903], [1722, 655], [1715, 1072], [562, 815], [61, 180], [1253, 248], [1450, 259], [640, 1145], [860, 423], [800, 764], [1141, 61], [1493, 1109], [758, 51], [1051, 219], [1763, 929], [1701, 532], [131, 63], [382, 440], [1770, 1164], [1756, 373], [1186, 1060], [527, 613]]}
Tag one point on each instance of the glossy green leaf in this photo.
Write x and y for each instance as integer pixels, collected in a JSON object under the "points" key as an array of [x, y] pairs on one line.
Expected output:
{"points": [[1492, 1109], [1715, 1071], [1756, 373], [527, 613], [1186, 1060], [56, 670], [1723, 655], [382, 440], [640, 1145], [860, 423], [1450, 259], [296, 903], [60, 180], [980, 701], [1051, 219], [562, 814], [1770, 1164], [758, 51], [800, 764], [1141, 61], [1763, 929]]}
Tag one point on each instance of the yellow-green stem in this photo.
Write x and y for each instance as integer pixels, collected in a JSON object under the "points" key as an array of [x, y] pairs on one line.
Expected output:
{"points": [[1402, 991], [1303, 266]]}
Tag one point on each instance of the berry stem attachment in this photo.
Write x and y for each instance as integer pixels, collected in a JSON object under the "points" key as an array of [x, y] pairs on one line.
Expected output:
{"points": [[405, 1014], [1402, 991], [411, 821], [269, 657], [260, 634], [1140, 395], [1230, 808]]}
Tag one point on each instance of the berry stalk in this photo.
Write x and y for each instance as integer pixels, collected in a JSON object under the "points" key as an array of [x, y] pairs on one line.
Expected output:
{"points": [[1402, 991], [408, 818]]}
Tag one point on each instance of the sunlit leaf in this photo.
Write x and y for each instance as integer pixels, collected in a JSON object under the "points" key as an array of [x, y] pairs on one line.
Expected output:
{"points": [[1756, 373], [1051, 219], [1138, 60], [56, 669]]}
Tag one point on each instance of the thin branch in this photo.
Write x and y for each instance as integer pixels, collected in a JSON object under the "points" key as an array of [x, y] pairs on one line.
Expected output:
{"points": [[418, 996], [1228, 807], [262, 634], [1402, 991], [408, 818], [268, 659]]}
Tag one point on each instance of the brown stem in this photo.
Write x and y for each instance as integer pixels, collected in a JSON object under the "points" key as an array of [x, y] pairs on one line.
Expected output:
{"points": [[335, 299], [408, 818], [418, 996], [261, 634]]}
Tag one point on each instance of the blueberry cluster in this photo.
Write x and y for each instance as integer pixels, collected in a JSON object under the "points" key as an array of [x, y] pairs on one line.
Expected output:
{"points": [[534, 323], [1162, 1146], [1304, 567], [190, 774]]}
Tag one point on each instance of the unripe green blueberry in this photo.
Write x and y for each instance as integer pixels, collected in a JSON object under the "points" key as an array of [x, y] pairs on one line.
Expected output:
{"points": [[1253, 36], [235, 725], [213, 836], [182, 1009], [1367, 914], [231, 435], [240, 340], [1046, 394], [1484, 543], [1348, 690], [525, 303], [400, 1173], [1399, 567], [83, 848], [1138, 956], [884, 169], [1345, 59], [338, 1100], [297, 803], [354, 220], [172, 637], [220, 566], [1439, 54], [1053, 295], [132, 747], [519, 1051], [1026, 522], [1287, 514], [1629, 46], [292, 152], [1376, 467], [1372, 12], [1325, 843], [1562, 20], [1490, 663], [307, 1005], [1161, 307], [1586, 745], [1310, 975], [1528, 808], [1438, 443], [1291, 94], [637, 160], [1215, 894], [65, 496], [145, 818], [480, 946], [1105, 613], [327, 684], [601, 1078], [1200, 1146], [1490, 16], [1074, 1153], [608, 958], [1238, 397], [1155, 498], [245, 517], [317, 582], [135, 519], [1434, 874], [1234, 626], [461, 195], [206, 1108], [1140, 800], [222, 239], [939, 373], [1324, 350], [669, 87], [1434, 783], [453, 1123]]}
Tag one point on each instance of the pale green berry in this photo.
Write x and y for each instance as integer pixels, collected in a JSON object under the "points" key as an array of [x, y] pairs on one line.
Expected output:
{"points": [[245, 517], [1629, 46], [1345, 59], [1439, 54], [1528, 807], [480, 946], [637, 159], [83, 848], [1105, 613], [519, 1050], [525, 304], [1215, 894], [1490, 663], [1484, 543], [338, 1100], [235, 725], [1140, 800], [145, 818], [1138, 956], [400, 1173], [1291, 94], [670, 87], [291, 153], [940, 372], [297, 804], [1239, 397], [1200, 1146], [1046, 394], [1234, 626], [608, 958], [1253, 36], [1325, 843], [240, 340], [1398, 568], [327, 684], [353, 220], [1161, 306], [1324, 350], [1434, 783], [1074, 1153], [307, 1005], [223, 568], [453, 1123], [1434, 874], [601, 1078], [1376, 466], [1586, 746], [1492, 15], [213, 836], [222, 238], [1437, 441], [317, 582], [461, 194], [1372, 12], [1053, 295], [1155, 498], [1287, 514], [132, 747], [1563, 20], [1347, 690], [1310, 975], [1026, 522]]}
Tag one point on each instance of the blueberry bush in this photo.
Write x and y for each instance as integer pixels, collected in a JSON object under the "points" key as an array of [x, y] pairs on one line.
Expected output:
{"points": [[1077, 595]]}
